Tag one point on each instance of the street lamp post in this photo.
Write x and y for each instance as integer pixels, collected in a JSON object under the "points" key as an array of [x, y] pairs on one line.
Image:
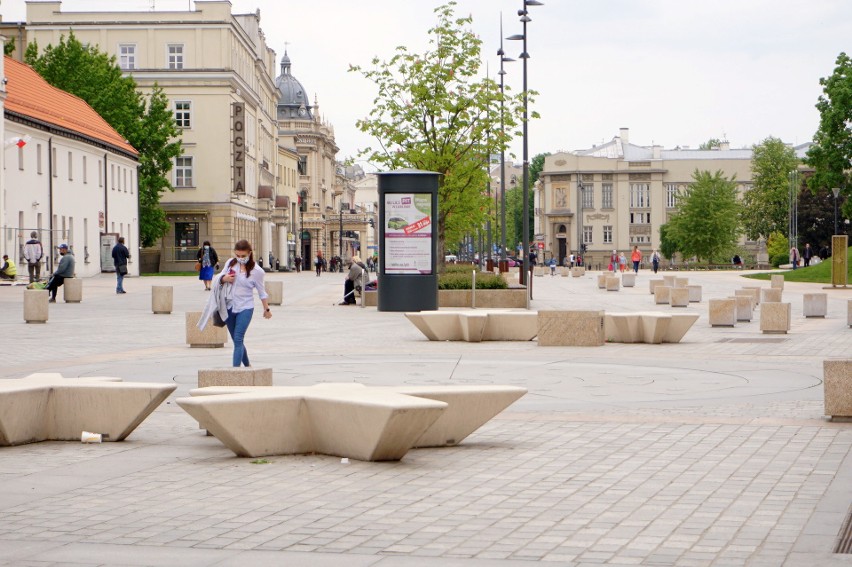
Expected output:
{"points": [[836, 192], [526, 163], [793, 226], [504, 264], [340, 233]]}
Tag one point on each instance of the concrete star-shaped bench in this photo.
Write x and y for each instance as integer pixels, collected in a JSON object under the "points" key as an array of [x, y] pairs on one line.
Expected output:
{"points": [[49, 407], [346, 420]]}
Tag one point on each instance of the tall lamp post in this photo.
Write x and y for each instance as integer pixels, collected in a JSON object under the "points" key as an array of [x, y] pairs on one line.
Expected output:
{"points": [[793, 226], [340, 233], [525, 273], [836, 192], [504, 264]]}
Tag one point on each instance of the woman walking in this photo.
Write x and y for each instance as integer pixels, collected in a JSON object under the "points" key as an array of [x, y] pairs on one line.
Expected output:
{"points": [[207, 258], [245, 277]]}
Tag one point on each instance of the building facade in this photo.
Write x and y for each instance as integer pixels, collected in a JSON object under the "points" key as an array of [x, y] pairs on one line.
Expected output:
{"points": [[617, 195], [218, 73], [66, 174]]}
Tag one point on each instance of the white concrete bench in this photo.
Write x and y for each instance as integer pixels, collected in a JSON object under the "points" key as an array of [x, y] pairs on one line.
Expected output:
{"points": [[72, 290], [744, 307], [211, 337], [48, 407], [679, 297], [770, 295], [476, 325], [815, 304], [162, 299], [346, 420], [723, 312], [628, 279], [570, 328], [650, 327], [775, 317], [36, 305]]}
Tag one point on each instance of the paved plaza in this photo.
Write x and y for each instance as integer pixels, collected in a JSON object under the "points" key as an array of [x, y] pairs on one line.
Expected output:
{"points": [[712, 451]]}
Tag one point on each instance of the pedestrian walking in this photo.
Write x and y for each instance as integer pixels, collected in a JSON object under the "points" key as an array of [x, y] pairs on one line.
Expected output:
{"points": [[622, 262], [794, 257], [613, 262], [208, 260], [636, 257], [318, 263], [33, 253], [246, 277], [655, 261], [807, 254], [120, 256]]}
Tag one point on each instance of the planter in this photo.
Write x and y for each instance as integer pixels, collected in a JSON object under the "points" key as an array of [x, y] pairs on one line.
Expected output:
{"points": [[509, 298]]}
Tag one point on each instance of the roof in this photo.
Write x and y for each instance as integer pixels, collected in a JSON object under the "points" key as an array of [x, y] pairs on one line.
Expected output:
{"points": [[29, 95], [292, 100]]}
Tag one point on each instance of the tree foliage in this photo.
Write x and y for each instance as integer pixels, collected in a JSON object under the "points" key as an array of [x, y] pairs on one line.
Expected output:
{"points": [[706, 222], [668, 247], [148, 125], [710, 144], [434, 112], [831, 154], [766, 206]]}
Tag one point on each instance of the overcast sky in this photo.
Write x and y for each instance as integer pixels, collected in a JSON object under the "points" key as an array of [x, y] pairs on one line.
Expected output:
{"points": [[676, 72]]}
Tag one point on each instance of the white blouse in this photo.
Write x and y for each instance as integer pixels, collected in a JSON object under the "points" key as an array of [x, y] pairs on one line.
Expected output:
{"points": [[242, 297]]}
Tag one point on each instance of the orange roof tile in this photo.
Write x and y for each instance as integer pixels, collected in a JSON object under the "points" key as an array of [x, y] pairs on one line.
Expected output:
{"points": [[30, 95]]}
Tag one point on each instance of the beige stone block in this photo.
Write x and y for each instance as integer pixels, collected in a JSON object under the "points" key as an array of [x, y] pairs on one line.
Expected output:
{"points": [[628, 279], [162, 299], [681, 282], [232, 376], [211, 337], [36, 305], [570, 328], [775, 317], [815, 304], [755, 290], [578, 271], [750, 293], [670, 280], [777, 281], [540, 271], [694, 293], [622, 328], [602, 280], [371, 298], [72, 290], [275, 290], [613, 283], [652, 284], [564, 271], [723, 312], [662, 294], [837, 387], [679, 297], [745, 307], [770, 295]]}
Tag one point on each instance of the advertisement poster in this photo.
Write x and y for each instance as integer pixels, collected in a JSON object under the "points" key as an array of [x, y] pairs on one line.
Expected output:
{"points": [[408, 233]]}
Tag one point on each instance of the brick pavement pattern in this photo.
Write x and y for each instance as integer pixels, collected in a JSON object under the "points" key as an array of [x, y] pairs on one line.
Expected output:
{"points": [[713, 451]]}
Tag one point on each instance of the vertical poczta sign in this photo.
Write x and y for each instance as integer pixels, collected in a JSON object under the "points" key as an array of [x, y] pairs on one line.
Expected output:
{"points": [[238, 122]]}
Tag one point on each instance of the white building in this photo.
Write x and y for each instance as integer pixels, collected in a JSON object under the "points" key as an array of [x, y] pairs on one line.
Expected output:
{"points": [[67, 174]]}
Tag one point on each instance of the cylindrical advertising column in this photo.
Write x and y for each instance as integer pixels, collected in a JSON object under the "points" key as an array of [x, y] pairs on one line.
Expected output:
{"points": [[408, 240]]}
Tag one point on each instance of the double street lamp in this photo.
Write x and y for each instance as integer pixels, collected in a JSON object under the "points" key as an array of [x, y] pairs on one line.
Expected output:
{"points": [[524, 17]]}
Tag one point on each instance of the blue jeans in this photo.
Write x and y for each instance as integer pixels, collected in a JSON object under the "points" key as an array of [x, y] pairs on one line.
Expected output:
{"points": [[237, 326], [119, 285]]}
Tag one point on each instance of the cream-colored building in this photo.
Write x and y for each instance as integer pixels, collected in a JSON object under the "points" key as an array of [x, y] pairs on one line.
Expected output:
{"points": [[218, 73], [615, 196], [66, 175]]}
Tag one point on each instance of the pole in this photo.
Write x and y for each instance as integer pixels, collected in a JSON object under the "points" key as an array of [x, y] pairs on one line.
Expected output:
{"points": [[836, 192], [504, 265], [340, 234]]}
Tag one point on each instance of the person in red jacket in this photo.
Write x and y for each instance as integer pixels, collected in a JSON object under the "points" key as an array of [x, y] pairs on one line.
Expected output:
{"points": [[636, 257]]}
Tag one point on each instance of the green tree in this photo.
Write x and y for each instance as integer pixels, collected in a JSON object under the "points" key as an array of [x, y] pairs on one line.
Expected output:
{"points": [[148, 125], [668, 248], [710, 144], [706, 222], [766, 206], [831, 154], [434, 112]]}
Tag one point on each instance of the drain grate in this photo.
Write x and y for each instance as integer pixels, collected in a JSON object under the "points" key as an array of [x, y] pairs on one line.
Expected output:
{"points": [[753, 341], [844, 539]]}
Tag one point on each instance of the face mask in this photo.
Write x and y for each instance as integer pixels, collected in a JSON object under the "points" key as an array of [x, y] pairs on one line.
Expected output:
{"points": [[243, 261], [207, 248]]}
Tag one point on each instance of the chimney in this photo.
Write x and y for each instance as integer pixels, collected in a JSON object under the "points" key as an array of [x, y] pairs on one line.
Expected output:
{"points": [[656, 151], [724, 145], [624, 134]]}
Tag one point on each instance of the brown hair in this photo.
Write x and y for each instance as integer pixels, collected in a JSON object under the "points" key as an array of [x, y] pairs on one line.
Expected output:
{"points": [[244, 246]]}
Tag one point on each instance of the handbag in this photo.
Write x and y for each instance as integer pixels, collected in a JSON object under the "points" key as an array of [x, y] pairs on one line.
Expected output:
{"points": [[217, 319], [122, 269], [198, 266]]}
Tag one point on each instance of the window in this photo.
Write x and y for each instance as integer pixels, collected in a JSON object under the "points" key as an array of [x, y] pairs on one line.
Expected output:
{"points": [[640, 218], [21, 158], [54, 168], [85, 173], [112, 176], [640, 196], [183, 113], [588, 196], [38, 159], [100, 174], [183, 171], [671, 195], [70, 167], [186, 240], [587, 235], [303, 165], [607, 234], [175, 56], [606, 196], [127, 56]]}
